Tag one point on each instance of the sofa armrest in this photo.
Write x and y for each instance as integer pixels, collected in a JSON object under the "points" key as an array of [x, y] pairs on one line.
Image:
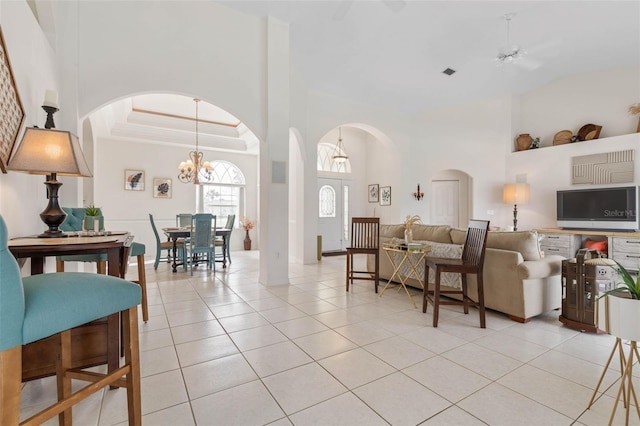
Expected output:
{"points": [[543, 268]]}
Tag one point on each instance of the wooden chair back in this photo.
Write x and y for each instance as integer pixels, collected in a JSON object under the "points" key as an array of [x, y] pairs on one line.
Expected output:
{"points": [[365, 233], [475, 243]]}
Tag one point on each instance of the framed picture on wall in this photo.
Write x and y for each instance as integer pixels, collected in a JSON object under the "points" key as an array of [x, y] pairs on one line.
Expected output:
{"points": [[134, 180], [373, 193], [385, 196], [11, 111], [162, 188]]}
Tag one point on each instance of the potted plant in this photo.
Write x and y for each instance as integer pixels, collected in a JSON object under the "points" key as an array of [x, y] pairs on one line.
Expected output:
{"points": [[619, 308], [93, 219], [248, 225]]}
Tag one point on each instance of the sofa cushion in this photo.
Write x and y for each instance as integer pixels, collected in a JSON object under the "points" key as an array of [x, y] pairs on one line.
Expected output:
{"points": [[392, 231], [458, 236], [436, 233], [525, 242]]}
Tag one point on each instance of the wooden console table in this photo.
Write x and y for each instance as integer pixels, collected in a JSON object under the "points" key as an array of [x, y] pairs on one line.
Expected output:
{"points": [[95, 343]]}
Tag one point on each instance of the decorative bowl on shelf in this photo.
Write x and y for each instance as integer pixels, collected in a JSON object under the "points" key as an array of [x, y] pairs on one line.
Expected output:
{"points": [[562, 137], [589, 132]]}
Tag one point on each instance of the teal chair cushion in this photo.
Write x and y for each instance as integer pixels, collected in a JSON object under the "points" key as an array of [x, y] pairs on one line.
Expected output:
{"points": [[137, 249], [63, 300]]}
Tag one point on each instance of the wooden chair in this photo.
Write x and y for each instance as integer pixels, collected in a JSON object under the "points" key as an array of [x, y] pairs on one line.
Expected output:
{"points": [[472, 262], [365, 239], [44, 305]]}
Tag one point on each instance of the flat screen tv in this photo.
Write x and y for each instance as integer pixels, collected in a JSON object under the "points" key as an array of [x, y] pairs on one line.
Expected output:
{"points": [[602, 208]]}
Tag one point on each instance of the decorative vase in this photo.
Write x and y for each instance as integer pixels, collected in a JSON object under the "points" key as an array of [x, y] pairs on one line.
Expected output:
{"points": [[524, 141], [408, 236], [247, 241], [93, 223]]}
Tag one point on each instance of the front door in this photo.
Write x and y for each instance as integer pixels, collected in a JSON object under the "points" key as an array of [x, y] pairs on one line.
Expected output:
{"points": [[332, 214]]}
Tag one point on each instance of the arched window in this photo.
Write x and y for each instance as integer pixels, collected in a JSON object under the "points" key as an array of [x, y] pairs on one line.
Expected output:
{"points": [[223, 193], [325, 160], [327, 202]]}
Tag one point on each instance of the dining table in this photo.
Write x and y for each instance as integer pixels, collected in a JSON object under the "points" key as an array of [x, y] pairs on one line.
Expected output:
{"points": [[177, 233]]}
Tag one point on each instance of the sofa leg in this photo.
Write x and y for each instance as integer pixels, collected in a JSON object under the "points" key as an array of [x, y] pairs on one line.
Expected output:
{"points": [[518, 319]]}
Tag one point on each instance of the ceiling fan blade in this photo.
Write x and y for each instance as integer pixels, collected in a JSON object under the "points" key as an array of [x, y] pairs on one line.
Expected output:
{"points": [[395, 5], [342, 10], [527, 63]]}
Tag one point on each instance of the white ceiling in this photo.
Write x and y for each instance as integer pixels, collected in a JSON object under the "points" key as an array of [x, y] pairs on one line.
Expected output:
{"points": [[391, 54], [394, 59]]}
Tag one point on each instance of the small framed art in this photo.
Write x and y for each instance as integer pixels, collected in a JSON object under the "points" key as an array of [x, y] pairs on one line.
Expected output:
{"points": [[373, 193], [385, 196], [134, 180], [162, 188]]}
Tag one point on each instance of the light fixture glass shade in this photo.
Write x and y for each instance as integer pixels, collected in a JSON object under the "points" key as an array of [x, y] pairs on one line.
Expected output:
{"points": [[340, 154], [46, 151], [515, 193]]}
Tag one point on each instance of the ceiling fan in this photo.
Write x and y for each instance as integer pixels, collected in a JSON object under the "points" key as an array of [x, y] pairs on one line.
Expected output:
{"points": [[511, 53], [345, 5]]}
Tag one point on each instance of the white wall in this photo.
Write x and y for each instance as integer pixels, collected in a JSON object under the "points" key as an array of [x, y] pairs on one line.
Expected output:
{"points": [[129, 210], [23, 196]]}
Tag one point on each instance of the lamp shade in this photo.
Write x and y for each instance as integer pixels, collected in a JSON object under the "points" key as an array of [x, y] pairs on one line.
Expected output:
{"points": [[46, 151], [515, 193]]}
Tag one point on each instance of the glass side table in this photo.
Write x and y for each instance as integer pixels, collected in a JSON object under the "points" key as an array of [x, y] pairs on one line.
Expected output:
{"points": [[407, 263]]}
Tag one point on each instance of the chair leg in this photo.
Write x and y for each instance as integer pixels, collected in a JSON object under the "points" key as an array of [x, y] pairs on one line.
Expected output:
{"points": [[348, 268], [377, 277], [436, 298], [132, 358], [63, 364], [465, 298], [10, 382], [483, 323], [142, 282], [59, 266], [425, 289]]}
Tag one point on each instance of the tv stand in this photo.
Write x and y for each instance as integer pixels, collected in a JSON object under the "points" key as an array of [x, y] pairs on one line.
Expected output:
{"points": [[624, 246]]}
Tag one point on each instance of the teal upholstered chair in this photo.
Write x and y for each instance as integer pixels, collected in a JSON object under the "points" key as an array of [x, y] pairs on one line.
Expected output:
{"points": [[183, 219], [73, 223], [164, 245], [219, 241], [201, 247], [36, 307]]}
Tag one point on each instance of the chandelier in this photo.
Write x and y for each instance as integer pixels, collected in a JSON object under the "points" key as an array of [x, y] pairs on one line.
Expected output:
{"points": [[339, 153], [191, 169]]}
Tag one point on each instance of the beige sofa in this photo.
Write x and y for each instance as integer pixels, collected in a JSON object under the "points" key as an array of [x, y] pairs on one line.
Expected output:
{"points": [[517, 280]]}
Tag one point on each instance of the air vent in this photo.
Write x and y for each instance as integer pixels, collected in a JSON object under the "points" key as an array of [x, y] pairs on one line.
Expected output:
{"points": [[449, 71]]}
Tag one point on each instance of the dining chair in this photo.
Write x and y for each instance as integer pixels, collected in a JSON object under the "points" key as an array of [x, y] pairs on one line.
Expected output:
{"points": [[163, 245], [74, 222], [44, 305], [472, 262], [220, 241], [200, 244], [365, 239], [183, 219]]}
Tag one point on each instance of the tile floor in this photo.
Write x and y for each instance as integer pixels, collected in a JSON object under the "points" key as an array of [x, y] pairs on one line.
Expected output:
{"points": [[221, 349]]}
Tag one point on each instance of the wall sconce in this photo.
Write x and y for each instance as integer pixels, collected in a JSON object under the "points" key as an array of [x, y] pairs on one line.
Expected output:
{"points": [[515, 193], [418, 195]]}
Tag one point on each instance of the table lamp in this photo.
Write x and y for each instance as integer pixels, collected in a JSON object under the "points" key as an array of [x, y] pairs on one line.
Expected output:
{"points": [[515, 193], [50, 152]]}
